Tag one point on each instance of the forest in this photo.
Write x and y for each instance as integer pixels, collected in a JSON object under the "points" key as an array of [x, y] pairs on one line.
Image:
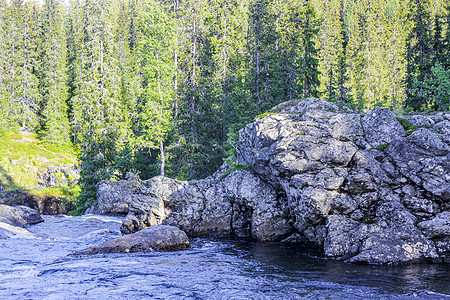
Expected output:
{"points": [[149, 87]]}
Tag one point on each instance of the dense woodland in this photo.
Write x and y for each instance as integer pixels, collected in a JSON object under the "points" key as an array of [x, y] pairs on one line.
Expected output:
{"points": [[163, 86]]}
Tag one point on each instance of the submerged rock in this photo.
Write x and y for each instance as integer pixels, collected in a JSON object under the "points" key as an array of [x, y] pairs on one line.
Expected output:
{"points": [[364, 188], [8, 230], [154, 238]]}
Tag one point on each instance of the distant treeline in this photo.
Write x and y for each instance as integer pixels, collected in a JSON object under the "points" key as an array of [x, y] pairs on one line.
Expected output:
{"points": [[149, 87]]}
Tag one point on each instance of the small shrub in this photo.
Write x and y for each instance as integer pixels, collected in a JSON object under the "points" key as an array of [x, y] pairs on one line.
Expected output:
{"points": [[236, 167]]}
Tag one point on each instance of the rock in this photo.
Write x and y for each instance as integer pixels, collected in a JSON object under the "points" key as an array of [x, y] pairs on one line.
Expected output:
{"points": [[424, 159], [147, 203], [355, 186], [154, 238], [243, 206], [381, 127], [20, 215], [50, 205], [7, 231], [421, 121], [295, 238], [115, 197], [66, 174], [94, 210], [438, 227]]}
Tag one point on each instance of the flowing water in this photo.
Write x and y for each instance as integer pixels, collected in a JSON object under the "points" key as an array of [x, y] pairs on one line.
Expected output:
{"points": [[43, 268]]}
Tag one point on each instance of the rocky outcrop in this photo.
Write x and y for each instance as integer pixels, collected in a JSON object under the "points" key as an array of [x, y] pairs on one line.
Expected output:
{"points": [[65, 174], [14, 218], [115, 197], [155, 238], [367, 188], [45, 205], [8, 230]]}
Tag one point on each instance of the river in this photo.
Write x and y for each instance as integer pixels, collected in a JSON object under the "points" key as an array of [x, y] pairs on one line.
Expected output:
{"points": [[43, 268]]}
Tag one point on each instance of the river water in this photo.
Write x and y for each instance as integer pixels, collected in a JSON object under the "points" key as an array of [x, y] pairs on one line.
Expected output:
{"points": [[43, 268]]}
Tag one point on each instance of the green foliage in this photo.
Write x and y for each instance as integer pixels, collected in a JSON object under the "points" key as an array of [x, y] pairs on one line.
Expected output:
{"points": [[434, 89], [160, 87], [23, 156], [236, 167]]}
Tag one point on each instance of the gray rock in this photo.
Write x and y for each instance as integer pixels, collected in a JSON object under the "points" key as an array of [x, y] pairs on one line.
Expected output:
{"points": [[381, 127], [115, 197], [20, 215], [154, 238], [438, 227], [240, 205], [146, 206], [66, 174], [8, 230], [421, 121], [317, 177]]}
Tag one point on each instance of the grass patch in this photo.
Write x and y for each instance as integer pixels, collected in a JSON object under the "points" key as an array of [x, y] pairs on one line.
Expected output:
{"points": [[23, 156], [410, 128]]}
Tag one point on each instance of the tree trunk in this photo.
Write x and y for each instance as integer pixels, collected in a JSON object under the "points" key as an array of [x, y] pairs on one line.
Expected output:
{"points": [[163, 158]]}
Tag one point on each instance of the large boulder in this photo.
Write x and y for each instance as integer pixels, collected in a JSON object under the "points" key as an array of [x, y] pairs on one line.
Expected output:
{"points": [[20, 215], [146, 207], [437, 229], [154, 238], [115, 197], [362, 187]]}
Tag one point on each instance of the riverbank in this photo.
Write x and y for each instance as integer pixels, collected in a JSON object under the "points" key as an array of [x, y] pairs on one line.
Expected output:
{"points": [[42, 267]]}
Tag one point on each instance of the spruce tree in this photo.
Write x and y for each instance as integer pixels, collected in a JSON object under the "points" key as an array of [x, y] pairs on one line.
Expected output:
{"points": [[310, 80], [53, 74], [419, 53], [156, 50], [97, 109], [331, 52], [19, 81]]}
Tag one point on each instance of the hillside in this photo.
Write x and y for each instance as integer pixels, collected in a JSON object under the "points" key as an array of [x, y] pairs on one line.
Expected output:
{"points": [[31, 169]]}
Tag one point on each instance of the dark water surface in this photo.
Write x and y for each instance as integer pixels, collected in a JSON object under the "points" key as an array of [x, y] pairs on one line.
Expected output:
{"points": [[42, 268]]}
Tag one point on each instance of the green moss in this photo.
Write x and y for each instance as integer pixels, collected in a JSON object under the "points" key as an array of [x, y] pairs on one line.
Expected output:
{"points": [[382, 147], [410, 128], [264, 115]]}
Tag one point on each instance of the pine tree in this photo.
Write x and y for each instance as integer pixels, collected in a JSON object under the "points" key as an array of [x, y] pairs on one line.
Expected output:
{"points": [[53, 79], [446, 43]]}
